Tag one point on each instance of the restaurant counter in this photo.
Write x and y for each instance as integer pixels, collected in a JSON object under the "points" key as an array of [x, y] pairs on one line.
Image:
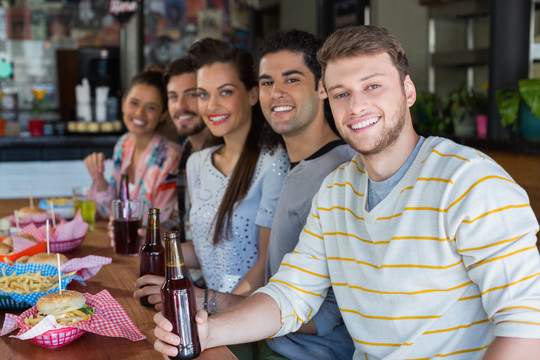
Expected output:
{"points": [[118, 278], [55, 147], [77, 146]]}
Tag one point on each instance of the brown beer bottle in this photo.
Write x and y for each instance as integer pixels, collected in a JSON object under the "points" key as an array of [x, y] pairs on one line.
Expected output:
{"points": [[123, 188], [152, 254], [178, 299]]}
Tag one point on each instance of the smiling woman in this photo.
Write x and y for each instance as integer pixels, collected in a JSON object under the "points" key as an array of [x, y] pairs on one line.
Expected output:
{"points": [[234, 186], [149, 159]]}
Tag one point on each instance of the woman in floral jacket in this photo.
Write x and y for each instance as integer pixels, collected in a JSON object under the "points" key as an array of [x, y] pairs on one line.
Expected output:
{"points": [[149, 159]]}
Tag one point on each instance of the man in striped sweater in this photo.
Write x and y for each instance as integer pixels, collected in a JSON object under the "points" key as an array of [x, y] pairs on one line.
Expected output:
{"points": [[429, 246]]}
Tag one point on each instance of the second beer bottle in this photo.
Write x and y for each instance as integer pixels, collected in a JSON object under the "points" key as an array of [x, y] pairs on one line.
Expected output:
{"points": [[178, 299], [152, 256]]}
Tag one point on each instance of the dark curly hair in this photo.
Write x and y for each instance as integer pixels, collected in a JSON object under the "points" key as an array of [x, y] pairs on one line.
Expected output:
{"points": [[206, 52], [296, 41]]}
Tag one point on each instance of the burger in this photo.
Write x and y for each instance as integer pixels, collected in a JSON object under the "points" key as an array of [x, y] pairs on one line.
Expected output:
{"points": [[44, 258], [68, 308], [27, 210]]}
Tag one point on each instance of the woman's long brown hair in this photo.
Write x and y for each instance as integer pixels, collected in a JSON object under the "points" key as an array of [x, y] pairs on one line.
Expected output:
{"points": [[210, 51]]}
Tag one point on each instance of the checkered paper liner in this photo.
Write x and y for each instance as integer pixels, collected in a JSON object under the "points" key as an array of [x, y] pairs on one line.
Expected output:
{"points": [[46, 270], [87, 266], [20, 243], [109, 319], [66, 230], [66, 236]]}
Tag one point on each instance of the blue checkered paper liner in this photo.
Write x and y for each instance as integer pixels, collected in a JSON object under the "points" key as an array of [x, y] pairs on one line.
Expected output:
{"points": [[46, 270]]}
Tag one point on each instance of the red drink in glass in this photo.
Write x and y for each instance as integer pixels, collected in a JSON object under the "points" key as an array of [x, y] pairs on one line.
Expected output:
{"points": [[126, 238]]}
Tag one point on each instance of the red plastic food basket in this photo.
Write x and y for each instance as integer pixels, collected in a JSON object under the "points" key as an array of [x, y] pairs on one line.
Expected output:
{"points": [[65, 246], [53, 339], [39, 247]]}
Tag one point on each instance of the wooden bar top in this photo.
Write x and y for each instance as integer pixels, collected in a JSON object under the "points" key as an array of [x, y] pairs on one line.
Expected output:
{"points": [[118, 278]]}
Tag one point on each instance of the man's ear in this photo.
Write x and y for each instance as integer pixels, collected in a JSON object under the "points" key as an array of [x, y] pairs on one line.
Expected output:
{"points": [[410, 91], [321, 90], [254, 95], [164, 116]]}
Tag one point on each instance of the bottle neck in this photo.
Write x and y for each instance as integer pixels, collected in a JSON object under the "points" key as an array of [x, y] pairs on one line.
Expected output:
{"points": [[174, 265], [153, 235], [175, 273]]}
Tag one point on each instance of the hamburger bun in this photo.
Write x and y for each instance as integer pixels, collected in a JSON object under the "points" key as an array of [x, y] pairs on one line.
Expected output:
{"points": [[27, 210], [8, 241], [4, 249], [57, 304], [44, 258], [23, 259]]}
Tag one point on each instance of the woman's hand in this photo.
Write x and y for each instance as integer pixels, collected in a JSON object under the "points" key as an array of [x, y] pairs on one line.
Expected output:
{"points": [[110, 230], [150, 285], [95, 164]]}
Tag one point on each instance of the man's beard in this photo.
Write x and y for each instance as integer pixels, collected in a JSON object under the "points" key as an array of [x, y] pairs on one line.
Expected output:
{"points": [[388, 135], [191, 131]]}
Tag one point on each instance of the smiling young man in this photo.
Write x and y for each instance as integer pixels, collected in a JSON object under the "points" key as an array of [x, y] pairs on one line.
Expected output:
{"points": [[429, 246], [181, 82], [290, 97]]}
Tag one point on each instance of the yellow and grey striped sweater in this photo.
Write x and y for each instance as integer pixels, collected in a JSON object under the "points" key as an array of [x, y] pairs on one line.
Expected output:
{"points": [[443, 264]]}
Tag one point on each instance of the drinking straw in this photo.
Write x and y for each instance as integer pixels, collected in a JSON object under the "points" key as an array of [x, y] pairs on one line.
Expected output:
{"points": [[47, 234], [52, 212], [17, 219], [59, 274], [31, 199], [128, 209]]}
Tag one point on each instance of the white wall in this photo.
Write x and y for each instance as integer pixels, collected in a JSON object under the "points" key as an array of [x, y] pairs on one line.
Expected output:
{"points": [[46, 178]]}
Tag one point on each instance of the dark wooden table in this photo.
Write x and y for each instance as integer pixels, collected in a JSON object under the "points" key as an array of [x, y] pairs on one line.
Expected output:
{"points": [[118, 278]]}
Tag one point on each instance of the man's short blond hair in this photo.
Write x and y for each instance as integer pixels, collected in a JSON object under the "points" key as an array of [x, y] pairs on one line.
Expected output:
{"points": [[363, 40]]}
